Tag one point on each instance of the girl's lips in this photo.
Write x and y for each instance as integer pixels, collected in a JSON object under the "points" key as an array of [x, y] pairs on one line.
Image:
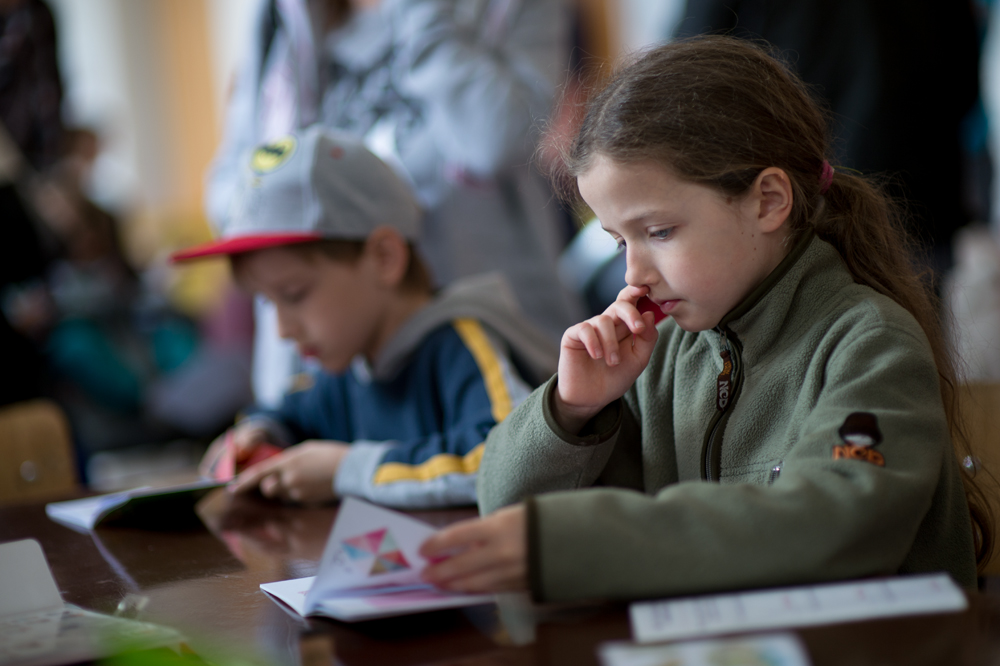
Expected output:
{"points": [[667, 306]]}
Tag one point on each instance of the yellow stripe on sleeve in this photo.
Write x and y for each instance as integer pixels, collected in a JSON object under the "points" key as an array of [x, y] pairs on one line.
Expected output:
{"points": [[439, 465], [474, 337]]}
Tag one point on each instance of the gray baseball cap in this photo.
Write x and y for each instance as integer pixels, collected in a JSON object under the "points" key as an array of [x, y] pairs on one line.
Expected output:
{"points": [[318, 184]]}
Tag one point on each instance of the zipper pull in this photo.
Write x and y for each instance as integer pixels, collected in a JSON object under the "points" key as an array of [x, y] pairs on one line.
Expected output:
{"points": [[724, 383]]}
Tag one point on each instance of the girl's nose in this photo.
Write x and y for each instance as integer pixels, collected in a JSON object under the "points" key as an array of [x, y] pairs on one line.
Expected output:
{"points": [[638, 271]]}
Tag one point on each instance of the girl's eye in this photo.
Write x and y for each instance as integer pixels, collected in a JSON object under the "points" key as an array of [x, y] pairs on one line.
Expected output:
{"points": [[661, 234]]}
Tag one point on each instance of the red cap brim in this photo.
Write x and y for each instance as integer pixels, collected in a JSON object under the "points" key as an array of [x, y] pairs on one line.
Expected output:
{"points": [[241, 244]]}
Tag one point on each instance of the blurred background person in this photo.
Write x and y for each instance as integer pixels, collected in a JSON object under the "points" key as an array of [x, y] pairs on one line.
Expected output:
{"points": [[451, 92], [30, 142]]}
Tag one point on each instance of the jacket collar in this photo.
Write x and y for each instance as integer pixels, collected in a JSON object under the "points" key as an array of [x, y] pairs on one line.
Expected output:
{"points": [[809, 276]]}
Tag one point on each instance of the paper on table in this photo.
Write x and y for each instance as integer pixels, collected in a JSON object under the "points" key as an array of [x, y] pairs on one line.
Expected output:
{"points": [[84, 514], [68, 634], [767, 649], [370, 546], [291, 592], [795, 607], [370, 568], [38, 629]]}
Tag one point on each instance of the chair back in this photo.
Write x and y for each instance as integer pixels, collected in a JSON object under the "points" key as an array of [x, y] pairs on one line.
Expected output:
{"points": [[36, 452], [980, 403]]}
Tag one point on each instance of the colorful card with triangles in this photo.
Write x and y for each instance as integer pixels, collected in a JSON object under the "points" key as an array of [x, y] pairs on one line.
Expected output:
{"points": [[370, 568]]}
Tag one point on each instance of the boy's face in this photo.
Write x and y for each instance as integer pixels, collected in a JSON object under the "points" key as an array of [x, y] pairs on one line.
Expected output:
{"points": [[330, 309], [699, 254]]}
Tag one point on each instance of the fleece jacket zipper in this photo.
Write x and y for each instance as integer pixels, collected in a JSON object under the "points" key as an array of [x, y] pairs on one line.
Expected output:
{"points": [[711, 451]]}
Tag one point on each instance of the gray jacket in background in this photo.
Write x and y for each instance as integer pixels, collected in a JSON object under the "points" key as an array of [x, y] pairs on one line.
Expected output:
{"points": [[455, 93]]}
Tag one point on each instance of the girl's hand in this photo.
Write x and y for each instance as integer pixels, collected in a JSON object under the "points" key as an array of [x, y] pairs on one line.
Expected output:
{"points": [[302, 473], [602, 357], [480, 555]]}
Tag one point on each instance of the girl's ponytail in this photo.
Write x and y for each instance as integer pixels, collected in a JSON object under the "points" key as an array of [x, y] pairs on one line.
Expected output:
{"points": [[866, 227]]}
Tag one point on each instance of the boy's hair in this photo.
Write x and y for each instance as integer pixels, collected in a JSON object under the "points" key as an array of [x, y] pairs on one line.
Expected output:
{"points": [[417, 278], [717, 111]]}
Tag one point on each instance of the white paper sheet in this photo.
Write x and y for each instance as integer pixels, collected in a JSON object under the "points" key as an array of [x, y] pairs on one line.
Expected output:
{"points": [[795, 607], [290, 592], [371, 546], [370, 568], [26, 584], [765, 650], [71, 635], [38, 629]]}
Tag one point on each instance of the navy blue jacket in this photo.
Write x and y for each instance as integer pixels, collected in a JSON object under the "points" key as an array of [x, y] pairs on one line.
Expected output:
{"points": [[417, 437]]}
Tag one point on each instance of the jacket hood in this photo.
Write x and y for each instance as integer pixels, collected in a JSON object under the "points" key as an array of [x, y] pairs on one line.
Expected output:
{"points": [[487, 298]]}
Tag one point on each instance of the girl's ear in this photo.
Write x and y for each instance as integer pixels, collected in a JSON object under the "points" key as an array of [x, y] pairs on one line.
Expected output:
{"points": [[771, 198], [390, 254]]}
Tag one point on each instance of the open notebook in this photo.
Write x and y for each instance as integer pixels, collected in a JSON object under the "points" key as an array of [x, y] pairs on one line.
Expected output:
{"points": [[38, 629], [370, 569], [148, 508]]}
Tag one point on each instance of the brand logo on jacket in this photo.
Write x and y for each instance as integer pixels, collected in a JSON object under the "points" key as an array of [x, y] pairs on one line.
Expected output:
{"points": [[860, 434]]}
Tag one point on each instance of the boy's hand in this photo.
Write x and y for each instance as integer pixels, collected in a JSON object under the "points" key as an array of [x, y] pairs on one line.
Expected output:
{"points": [[302, 473], [601, 358], [245, 438], [480, 555]]}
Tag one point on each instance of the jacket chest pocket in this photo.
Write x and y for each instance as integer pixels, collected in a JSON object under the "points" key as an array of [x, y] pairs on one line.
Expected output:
{"points": [[762, 473]]}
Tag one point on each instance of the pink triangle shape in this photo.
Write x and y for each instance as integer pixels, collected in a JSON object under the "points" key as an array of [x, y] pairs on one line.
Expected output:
{"points": [[375, 539]]}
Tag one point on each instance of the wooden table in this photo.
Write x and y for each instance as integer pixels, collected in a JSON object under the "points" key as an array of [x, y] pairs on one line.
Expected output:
{"points": [[205, 583]]}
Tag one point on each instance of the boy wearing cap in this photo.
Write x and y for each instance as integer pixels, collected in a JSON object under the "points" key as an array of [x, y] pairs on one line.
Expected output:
{"points": [[412, 381]]}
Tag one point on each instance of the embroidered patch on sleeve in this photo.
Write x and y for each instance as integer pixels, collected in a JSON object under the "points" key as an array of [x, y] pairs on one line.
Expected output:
{"points": [[860, 434]]}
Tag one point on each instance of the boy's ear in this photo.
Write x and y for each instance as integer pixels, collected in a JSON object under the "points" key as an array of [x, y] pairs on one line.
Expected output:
{"points": [[772, 198], [390, 253]]}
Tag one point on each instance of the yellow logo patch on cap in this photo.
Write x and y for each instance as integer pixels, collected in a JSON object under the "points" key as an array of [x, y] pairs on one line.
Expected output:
{"points": [[269, 157]]}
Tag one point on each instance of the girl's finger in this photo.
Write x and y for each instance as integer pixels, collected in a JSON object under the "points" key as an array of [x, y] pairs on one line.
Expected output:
{"points": [[608, 334], [458, 536], [632, 294], [590, 339], [475, 559], [628, 313], [494, 580], [649, 333]]}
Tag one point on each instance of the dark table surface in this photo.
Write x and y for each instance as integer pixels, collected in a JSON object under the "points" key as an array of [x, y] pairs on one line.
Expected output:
{"points": [[205, 583]]}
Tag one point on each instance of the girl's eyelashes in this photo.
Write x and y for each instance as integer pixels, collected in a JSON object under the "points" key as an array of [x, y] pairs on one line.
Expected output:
{"points": [[621, 244]]}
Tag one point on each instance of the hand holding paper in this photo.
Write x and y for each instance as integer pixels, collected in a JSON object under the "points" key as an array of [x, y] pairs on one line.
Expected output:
{"points": [[236, 450], [370, 568], [480, 555], [301, 473]]}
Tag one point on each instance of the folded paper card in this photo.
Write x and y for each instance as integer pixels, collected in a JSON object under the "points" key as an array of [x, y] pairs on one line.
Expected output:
{"points": [[149, 508], [795, 607], [231, 461], [370, 568], [764, 650], [38, 629]]}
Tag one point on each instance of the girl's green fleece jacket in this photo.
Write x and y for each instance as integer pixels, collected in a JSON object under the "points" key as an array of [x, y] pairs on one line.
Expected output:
{"points": [[823, 454]]}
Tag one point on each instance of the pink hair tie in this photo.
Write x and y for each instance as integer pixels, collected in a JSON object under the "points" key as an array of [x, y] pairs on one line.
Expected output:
{"points": [[825, 177]]}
